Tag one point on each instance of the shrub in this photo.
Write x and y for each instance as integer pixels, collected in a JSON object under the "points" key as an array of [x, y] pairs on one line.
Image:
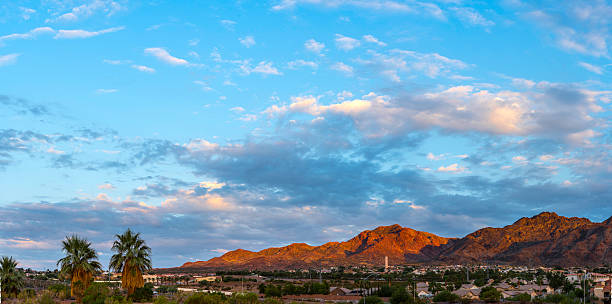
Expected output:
{"points": [[59, 290], [205, 298], [163, 300], [26, 294], [143, 294], [46, 298], [401, 296], [167, 289], [371, 300], [271, 301], [490, 294], [96, 294], [117, 298], [446, 296], [523, 298], [244, 298]]}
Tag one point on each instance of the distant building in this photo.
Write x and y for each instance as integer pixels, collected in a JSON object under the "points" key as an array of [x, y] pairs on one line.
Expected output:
{"points": [[386, 263], [339, 291], [199, 279]]}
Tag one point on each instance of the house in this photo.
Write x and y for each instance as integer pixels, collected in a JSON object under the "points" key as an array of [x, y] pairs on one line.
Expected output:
{"points": [[598, 277], [207, 279], [151, 278], [472, 294], [574, 277], [422, 286], [424, 294], [339, 291], [503, 286], [602, 290], [545, 289], [468, 286], [512, 293]]}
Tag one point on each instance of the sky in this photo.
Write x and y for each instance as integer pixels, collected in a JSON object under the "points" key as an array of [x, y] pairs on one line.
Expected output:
{"points": [[215, 125]]}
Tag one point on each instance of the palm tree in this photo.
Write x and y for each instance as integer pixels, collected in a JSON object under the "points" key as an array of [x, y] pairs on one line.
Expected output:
{"points": [[10, 278], [79, 264], [133, 258]]}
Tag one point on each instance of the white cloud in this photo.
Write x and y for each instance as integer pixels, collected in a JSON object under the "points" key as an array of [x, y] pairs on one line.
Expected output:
{"points": [[80, 34], [342, 67], [228, 24], [454, 168], [106, 186], [164, 56], [372, 39], [204, 85], [431, 156], [237, 109], [265, 68], [314, 46], [29, 35], [382, 5], [346, 43], [143, 68], [546, 157], [113, 61], [247, 41], [8, 59], [26, 12], [396, 62], [25, 243], [592, 68], [52, 150], [472, 17], [543, 112], [302, 63], [106, 91], [105, 7]]}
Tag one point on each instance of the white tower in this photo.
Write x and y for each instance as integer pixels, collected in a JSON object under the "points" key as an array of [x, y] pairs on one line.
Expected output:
{"points": [[386, 263]]}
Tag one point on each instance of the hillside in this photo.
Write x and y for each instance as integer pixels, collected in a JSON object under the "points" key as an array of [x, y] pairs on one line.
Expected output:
{"points": [[545, 239]]}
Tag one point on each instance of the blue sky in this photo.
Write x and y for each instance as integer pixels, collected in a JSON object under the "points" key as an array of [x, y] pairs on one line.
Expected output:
{"points": [[216, 125]]}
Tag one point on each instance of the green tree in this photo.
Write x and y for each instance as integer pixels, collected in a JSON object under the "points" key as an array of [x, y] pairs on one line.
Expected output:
{"points": [[96, 293], [79, 264], [143, 294], [11, 278], [523, 298], [401, 296], [556, 280], [490, 294], [132, 259], [446, 296]]}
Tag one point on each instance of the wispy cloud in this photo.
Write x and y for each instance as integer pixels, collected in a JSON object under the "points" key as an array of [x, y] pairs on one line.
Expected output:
{"points": [[106, 91], [346, 43], [342, 67], [164, 56], [8, 59], [592, 68], [314, 46], [80, 34], [247, 41], [143, 68], [104, 7], [302, 63], [372, 39]]}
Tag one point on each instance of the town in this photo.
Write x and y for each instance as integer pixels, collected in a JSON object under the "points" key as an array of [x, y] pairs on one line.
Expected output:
{"points": [[388, 284]]}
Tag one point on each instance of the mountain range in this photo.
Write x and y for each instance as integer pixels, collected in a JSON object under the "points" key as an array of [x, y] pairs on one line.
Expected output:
{"points": [[544, 239]]}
